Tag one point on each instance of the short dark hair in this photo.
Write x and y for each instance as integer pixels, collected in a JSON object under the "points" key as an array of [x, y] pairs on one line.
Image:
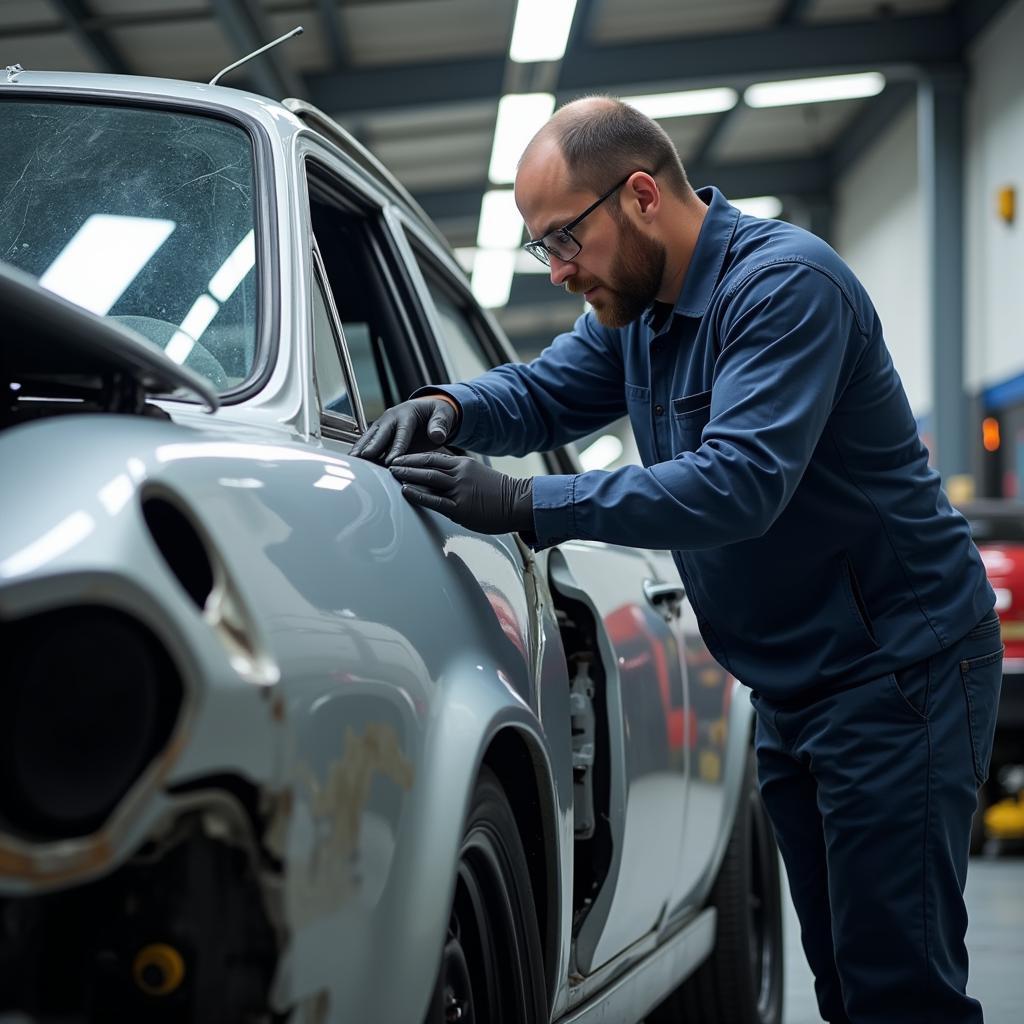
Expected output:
{"points": [[604, 142]]}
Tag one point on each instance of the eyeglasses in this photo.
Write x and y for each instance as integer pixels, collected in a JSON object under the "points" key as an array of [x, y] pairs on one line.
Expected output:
{"points": [[561, 242]]}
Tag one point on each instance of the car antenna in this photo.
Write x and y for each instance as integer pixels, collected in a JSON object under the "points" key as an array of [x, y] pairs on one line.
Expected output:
{"points": [[255, 53]]}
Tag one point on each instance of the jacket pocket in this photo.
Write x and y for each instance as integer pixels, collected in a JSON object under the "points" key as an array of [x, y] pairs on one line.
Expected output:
{"points": [[691, 404], [855, 600], [690, 416], [982, 678]]}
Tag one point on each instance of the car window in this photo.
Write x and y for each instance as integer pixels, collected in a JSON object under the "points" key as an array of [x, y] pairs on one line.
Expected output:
{"points": [[144, 216], [376, 332], [331, 384], [468, 358]]}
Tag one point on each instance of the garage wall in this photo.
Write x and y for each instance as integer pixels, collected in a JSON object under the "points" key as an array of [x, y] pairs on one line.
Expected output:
{"points": [[995, 157], [879, 231]]}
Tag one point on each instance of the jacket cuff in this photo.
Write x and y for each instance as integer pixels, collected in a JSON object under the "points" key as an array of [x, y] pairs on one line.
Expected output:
{"points": [[553, 510]]}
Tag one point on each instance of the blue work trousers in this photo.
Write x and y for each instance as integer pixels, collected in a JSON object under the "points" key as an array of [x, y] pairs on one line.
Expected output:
{"points": [[871, 791]]}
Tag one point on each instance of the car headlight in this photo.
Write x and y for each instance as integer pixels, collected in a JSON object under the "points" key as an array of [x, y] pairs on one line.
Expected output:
{"points": [[88, 698]]}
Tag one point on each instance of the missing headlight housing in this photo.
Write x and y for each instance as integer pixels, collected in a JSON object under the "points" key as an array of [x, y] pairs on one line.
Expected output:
{"points": [[91, 697]]}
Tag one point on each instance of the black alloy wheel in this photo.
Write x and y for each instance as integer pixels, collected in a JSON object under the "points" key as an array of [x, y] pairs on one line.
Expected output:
{"points": [[492, 969], [742, 979]]}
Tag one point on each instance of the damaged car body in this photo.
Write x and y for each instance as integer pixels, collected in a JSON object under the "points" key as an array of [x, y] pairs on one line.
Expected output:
{"points": [[276, 744]]}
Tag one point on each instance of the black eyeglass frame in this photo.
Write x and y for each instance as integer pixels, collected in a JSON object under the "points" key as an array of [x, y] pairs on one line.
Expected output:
{"points": [[536, 246]]}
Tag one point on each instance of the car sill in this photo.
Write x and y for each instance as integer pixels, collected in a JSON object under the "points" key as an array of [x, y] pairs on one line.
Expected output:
{"points": [[634, 994]]}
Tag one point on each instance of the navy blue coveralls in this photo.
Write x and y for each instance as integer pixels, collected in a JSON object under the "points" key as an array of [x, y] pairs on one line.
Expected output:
{"points": [[827, 571]]}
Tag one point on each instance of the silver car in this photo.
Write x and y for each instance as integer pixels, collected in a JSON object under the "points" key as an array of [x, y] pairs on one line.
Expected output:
{"points": [[274, 743]]}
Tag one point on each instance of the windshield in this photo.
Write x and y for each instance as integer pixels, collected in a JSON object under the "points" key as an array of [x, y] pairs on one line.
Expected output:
{"points": [[142, 216]]}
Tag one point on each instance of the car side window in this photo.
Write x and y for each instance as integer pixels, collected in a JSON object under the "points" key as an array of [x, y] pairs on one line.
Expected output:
{"points": [[365, 286], [462, 342], [328, 370]]}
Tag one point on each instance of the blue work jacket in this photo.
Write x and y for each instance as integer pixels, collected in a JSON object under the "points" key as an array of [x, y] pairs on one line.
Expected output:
{"points": [[781, 462]]}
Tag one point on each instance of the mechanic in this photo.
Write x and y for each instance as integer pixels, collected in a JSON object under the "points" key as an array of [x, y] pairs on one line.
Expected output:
{"points": [[782, 466]]}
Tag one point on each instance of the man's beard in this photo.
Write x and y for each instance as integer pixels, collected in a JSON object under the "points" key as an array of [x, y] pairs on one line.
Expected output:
{"points": [[637, 274]]}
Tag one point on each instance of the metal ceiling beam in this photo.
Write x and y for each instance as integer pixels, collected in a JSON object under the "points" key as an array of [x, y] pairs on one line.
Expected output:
{"points": [[897, 44], [793, 12], [244, 27], [778, 51], [792, 177], [790, 14], [408, 85], [975, 15], [79, 20], [875, 117], [334, 34]]}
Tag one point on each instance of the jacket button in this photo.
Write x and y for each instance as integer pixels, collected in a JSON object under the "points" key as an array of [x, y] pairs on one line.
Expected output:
{"points": [[658, 410]]}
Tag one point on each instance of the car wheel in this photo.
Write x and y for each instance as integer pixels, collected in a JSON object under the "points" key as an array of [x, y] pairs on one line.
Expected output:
{"points": [[978, 821], [492, 967], [742, 979]]}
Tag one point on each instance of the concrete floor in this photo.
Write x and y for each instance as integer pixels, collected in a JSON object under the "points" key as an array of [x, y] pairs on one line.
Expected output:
{"points": [[995, 942]]}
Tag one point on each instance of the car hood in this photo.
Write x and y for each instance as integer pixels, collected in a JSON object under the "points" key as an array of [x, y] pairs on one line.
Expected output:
{"points": [[59, 356]]}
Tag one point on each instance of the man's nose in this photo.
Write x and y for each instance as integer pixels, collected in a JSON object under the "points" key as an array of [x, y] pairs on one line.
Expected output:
{"points": [[561, 270]]}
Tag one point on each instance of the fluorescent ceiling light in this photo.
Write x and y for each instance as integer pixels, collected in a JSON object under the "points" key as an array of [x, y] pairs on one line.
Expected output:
{"points": [[501, 226], [541, 30], [233, 270], [603, 452], [493, 270], [520, 116], [814, 90], [684, 104], [759, 206], [105, 255]]}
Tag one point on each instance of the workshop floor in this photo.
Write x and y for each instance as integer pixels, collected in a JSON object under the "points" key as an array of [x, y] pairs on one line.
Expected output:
{"points": [[995, 941]]}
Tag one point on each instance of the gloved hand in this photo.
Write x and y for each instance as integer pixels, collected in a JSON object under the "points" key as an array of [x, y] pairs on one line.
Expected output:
{"points": [[418, 424], [467, 491]]}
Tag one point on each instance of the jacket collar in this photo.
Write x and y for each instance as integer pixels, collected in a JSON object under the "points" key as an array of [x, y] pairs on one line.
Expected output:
{"points": [[708, 256]]}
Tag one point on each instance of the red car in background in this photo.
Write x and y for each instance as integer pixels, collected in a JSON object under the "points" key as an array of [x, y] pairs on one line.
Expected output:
{"points": [[997, 526]]}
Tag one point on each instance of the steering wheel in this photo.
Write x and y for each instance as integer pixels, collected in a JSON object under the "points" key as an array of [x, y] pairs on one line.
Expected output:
{"points": [[160, 332]]}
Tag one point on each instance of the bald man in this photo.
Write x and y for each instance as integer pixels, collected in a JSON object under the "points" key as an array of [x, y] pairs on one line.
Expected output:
{"points": [[782, 467]]}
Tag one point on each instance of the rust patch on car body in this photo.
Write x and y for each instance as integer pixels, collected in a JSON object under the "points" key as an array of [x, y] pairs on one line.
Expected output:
{"points": [[337, 803]]}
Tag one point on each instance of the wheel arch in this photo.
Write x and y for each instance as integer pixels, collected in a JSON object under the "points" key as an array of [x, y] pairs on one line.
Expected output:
{"points": [[523, 772]]}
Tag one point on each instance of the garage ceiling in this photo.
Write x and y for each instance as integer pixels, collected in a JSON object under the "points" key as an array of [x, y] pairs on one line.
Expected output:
{"points": [[418, 81]]}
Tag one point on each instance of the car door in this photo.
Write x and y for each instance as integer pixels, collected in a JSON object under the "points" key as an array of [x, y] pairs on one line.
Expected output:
{"points": [[366, 333], [644, 678]]}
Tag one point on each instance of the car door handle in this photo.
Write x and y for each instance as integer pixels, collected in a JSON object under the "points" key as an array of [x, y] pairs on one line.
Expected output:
{"points": [[667, 598]]}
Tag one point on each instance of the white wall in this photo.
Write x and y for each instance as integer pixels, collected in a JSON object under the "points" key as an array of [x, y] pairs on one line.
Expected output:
{"points": [[879, 231], [995, 157]]}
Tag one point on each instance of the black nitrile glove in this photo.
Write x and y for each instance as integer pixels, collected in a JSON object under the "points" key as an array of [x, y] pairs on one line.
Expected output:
{"points": [[478, 497], [416, 425]]}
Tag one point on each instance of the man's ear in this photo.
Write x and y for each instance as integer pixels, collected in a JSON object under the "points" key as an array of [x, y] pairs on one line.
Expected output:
{"points": [[643, 190]]}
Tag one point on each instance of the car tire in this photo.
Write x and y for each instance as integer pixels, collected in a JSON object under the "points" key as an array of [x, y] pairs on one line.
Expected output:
{"points": [[492, 967], [742, 979]]}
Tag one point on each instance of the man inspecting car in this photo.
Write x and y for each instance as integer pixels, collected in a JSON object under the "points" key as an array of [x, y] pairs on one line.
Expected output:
{"points": [[782, 467]]}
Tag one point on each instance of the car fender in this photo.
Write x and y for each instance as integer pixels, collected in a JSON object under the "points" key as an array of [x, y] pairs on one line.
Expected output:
{"points": [[380, 943]]}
